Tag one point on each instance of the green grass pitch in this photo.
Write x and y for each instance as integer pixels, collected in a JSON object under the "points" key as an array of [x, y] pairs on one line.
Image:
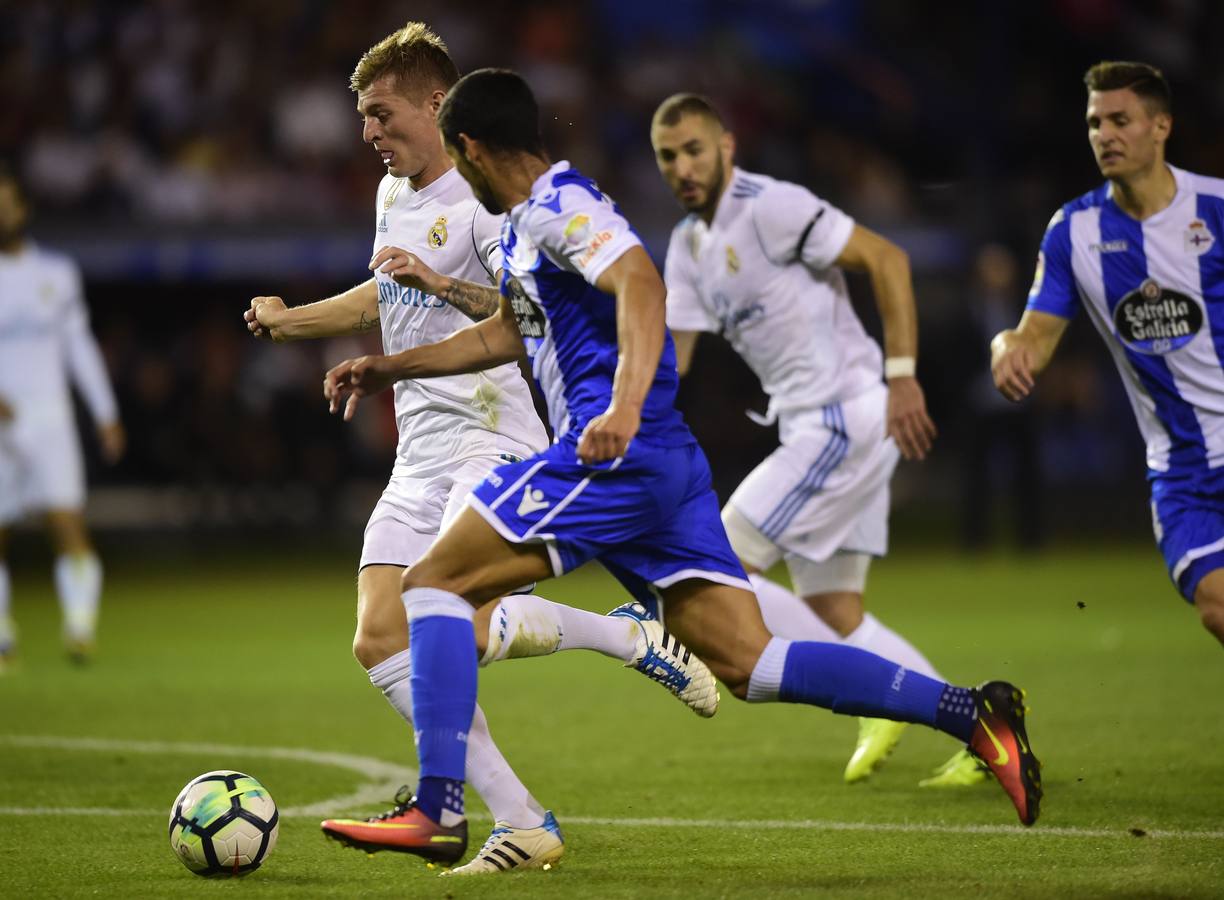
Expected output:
{"points": [[1124, 685]]}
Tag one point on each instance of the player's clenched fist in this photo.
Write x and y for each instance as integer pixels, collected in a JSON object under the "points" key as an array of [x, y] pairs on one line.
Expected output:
{"points": [[1012, 365], [359, 378], [264, 317], [607, 436]]}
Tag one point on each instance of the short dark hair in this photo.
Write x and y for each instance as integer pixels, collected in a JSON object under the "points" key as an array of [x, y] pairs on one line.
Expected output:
{"points": [[496, 107], [1147, 82], [675, 107]]}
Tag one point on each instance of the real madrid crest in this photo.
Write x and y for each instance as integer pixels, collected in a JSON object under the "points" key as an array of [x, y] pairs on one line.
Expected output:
{"points": [[437, 233], [733, 262]]}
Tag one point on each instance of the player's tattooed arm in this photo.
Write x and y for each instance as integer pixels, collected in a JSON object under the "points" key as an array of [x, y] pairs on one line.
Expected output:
{"points": [[366, 322], [476, 301], [354, 310]]}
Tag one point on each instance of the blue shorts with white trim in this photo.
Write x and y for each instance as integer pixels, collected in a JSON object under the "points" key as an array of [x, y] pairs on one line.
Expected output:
{"points": [[651, 517], [1188, 516]]}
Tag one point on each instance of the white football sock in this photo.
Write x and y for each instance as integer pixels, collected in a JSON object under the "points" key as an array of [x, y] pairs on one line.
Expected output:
{"points": [[788, 616], [78, 581], [874, 635], [525, 625], [8, 631], [487, 770], [766, 679]]}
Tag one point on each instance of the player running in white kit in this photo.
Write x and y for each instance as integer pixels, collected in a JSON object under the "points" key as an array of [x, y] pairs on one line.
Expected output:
{"points": [[452, 432], [45, 349], [759, 261], [1142, 255]]}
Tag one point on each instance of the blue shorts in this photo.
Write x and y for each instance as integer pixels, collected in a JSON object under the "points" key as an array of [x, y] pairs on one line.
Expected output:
{"points": [[1188, 517], [651, 517]]}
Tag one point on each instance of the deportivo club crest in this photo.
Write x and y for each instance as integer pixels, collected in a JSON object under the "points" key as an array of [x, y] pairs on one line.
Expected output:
{"points": [[1198, 239], [437, 233], [1156, 320]]}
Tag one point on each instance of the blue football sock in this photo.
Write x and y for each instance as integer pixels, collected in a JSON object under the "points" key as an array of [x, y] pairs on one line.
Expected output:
{"points": [[443, 650], [854, 682], [436, 794]]}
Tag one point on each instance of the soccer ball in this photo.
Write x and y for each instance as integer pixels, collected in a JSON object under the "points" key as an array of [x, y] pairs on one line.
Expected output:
{"points": [[223, 823]]}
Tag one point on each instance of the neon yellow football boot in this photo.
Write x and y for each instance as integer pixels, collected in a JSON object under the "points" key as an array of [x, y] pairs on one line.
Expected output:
{"points": [[962, 770], [876, 740]]}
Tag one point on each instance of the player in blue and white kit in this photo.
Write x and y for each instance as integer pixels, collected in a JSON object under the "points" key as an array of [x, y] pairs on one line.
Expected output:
{"points": [[624, 482], [760, 262], [435, 253], [1142, 254], [46, 349]]}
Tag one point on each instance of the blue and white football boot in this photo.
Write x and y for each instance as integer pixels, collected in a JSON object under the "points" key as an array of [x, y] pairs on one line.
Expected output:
{"points": [[661, 657], [509, 849]]}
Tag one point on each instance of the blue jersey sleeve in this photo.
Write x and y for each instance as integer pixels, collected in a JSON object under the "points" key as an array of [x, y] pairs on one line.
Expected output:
{"points": [[1053, 289]]}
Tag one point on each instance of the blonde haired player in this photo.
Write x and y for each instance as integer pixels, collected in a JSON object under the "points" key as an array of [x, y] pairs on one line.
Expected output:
{"points": [[759, 261], [46, 348], [452, 433]]}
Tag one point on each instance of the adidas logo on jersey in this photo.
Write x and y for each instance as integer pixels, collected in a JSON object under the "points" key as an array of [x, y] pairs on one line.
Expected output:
{"points": [[533, 501]]}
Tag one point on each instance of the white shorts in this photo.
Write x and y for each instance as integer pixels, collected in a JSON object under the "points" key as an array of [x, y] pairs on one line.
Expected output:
{"points": [[413, 510], [40, 470], [823, 491]]}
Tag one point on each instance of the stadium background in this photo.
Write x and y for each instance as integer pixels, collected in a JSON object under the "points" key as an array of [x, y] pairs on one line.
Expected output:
{"points": [[193, 155]]}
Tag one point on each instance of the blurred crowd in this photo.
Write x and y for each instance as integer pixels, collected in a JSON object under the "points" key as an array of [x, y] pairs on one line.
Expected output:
{"points": [[956, 129]]}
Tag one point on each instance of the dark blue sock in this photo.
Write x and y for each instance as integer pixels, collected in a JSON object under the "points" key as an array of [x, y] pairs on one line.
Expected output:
{"points": [[957, 712], [436, 794], [854, 682], [443, 650]]}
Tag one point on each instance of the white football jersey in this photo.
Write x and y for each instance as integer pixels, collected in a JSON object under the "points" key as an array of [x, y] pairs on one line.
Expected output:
{"points": [[762, 274], [443, 420], [46, 344]]}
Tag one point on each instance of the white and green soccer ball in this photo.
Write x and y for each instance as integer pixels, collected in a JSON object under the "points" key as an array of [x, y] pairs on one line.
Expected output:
{"points": [[223, 823]]}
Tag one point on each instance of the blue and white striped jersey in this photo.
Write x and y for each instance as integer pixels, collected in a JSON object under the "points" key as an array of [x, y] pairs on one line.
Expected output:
{"points": [[1155, 291], [556, 245]]}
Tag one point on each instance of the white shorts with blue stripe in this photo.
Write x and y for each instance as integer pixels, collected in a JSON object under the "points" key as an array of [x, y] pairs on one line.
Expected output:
{"points": [[824, 490]]}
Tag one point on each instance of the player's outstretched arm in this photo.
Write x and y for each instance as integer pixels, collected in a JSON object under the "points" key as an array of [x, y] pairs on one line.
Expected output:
{"points": [[352, 312], [1018, 355], [476, 301], [481, 346], [888, 265], [641, 302]]}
